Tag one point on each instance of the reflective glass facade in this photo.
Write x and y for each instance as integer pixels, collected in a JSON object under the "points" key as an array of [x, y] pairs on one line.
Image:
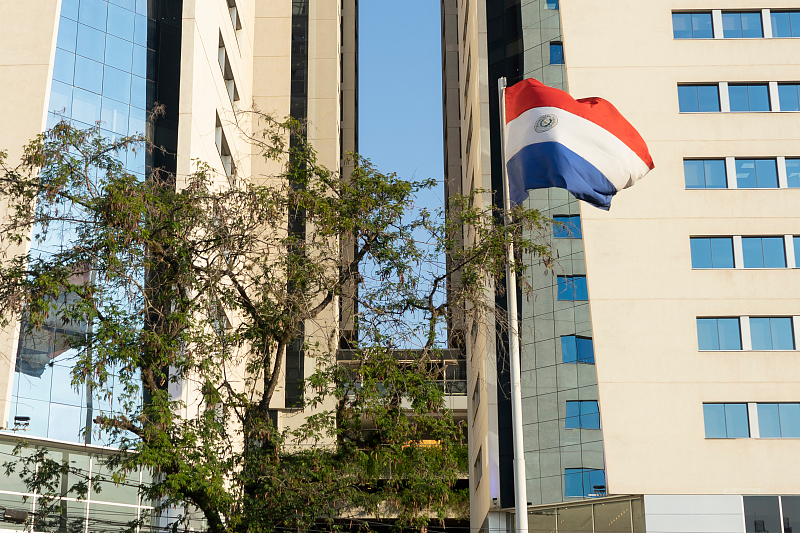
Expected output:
{"points": [[114, 61]]}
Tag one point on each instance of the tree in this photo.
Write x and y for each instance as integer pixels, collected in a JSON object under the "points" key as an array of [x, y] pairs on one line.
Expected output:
{"points": [[187, 280]]}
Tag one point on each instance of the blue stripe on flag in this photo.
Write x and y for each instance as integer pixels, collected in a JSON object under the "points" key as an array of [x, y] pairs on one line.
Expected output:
{"points": [[551, 164]]}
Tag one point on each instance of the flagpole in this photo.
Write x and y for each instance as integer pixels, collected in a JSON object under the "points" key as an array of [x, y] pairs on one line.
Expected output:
{"points": [[520, 485]]}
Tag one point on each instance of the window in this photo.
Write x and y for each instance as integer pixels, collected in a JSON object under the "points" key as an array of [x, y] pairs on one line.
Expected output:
{"points": [[766, 513], [785, 23], [466, 78], [582, 415], [692, 26], [556, 53], [774, 333], [726, 420], [718, 334], [793, 173], [698, 98], [227, 71], [551, 4], [476, 397], [469, 135], [779, 420], [763, 252], [737, 25], [796, 241], [749, 97], [712, 252], [789, 96], [756, 174], [572, 288], [235, 20], [584, 482], [478, 467], [567, 227], [225, 153], [576, 349], [705, 174]]}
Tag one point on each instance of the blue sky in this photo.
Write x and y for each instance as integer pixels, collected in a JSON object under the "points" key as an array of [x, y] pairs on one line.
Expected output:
{"points": [[400, 91]]}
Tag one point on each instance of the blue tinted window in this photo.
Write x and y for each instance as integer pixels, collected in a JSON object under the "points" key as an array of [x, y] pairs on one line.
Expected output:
{"points": [[716, 252], [582, 414], [793, 173], [698, 98], [67, 33], [69, 9], [718, 334], [556, 54], [779, 420], [763, 252], [749, 97], [785, 23], [64, 66], [726, 420], [756, 174], [120, 22], [572, 288], [583, 482], [585, 350], [567, 227], [769, 425], [741, 25], [117, 84], [796, 241], [771, 333], [91, 43], [789, 95], [551, 4], [119, 53], [576, 349], [705, 174], [692, 26], [790, 420], [88, 75], [93, 13]]}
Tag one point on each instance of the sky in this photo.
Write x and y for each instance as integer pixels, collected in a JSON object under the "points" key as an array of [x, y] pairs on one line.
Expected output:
{"points": [[400, 89]]}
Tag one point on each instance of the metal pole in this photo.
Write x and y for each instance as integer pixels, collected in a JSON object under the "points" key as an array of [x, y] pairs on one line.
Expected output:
{"points": [[520, 485]]}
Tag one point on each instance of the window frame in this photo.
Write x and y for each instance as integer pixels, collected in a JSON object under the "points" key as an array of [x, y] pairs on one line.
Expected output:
{"points": [[567, 229], [691, 15], [577, 289], [696, 87], [725, 417]]}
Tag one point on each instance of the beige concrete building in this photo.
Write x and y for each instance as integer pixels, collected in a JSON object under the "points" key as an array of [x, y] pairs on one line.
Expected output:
{"points": [[682, 328], [208, 62]]}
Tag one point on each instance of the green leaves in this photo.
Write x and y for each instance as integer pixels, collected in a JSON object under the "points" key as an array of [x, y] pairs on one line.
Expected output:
{"points": [[184, 303]]}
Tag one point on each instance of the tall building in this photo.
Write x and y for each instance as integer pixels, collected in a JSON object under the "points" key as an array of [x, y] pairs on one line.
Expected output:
{"points": [[660, 385], [207, 62]]}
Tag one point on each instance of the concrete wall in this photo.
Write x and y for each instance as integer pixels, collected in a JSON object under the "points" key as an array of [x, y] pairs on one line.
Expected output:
{"points": [[694, 514], [644, 295]]}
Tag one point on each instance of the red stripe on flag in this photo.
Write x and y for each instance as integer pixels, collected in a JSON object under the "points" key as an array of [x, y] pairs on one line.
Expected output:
{"points": [[531, 93]]}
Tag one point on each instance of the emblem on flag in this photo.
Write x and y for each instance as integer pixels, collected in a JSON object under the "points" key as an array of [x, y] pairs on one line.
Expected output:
{"points": [[545, 122]]}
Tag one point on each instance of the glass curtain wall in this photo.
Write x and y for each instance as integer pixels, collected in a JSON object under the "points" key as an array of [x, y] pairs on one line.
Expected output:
{"points": [[115, 59]]}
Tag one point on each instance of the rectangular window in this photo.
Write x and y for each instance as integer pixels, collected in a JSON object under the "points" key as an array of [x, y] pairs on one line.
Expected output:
{"points": [[785, 23], [762, 514], [698, 98], [779, 420], [749, 98], [556, 53], [756, 174], [763, 252], [476, 397], [572, 288], [705, 174], [773, 333], [551, 4], [793, 173], [738, 25], [469, 135], [712, 252], [584, 482], [726, 420], [718, 334], [692, 26], [583, 414], [576, 349], [478, 467], [796, 241], [567, 227], [789, 96]]}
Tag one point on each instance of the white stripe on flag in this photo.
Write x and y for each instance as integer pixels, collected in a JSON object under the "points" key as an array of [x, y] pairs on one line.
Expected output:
{"points": [[618, 163]]}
